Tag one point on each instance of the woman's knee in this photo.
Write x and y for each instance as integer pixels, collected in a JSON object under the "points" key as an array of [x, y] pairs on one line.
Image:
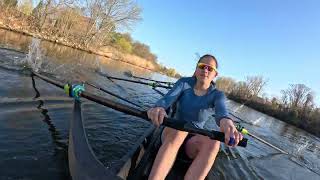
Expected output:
{"points": [[205, 143], [173, 137], [212, 145], [201, 144]]}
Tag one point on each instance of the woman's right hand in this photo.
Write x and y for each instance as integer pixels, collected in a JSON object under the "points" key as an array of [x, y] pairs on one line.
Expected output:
{"points": [[156, 115]]}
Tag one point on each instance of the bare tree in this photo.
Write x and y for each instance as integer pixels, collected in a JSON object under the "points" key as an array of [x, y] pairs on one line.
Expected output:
{"points": [[255, 85], [241, 90], [225, 84], [66, 21], [107, 15], [48, 10], [297, 96]]}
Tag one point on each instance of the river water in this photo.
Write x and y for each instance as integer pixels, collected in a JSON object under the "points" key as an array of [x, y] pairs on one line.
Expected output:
{"points": [[34, 119]]}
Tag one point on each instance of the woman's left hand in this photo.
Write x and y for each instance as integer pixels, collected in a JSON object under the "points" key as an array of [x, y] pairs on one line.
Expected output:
{"points": [[227, 126]]}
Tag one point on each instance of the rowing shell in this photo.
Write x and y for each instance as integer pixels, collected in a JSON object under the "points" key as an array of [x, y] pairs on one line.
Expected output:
{"points": [[83, 164]]}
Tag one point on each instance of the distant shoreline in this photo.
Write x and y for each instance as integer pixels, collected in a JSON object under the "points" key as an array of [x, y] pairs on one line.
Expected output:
{"points": [[74, 46]]}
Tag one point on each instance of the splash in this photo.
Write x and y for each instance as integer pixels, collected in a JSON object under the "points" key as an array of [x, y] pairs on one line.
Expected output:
{"points": [[35, 56], [96, 65], [239, 108], [258, 121], [300, 148]]}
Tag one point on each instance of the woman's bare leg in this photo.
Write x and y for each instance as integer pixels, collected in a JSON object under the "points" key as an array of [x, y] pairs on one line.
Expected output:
{"points": [[167, 153], [204, 151]]}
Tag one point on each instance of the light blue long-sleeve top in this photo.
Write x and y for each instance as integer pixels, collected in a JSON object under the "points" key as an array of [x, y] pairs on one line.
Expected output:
{"points": [[190, 107]]}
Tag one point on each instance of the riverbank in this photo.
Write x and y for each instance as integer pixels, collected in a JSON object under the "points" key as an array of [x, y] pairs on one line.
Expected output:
{"points": [[290, 116], [107, 51], [15, 21]]}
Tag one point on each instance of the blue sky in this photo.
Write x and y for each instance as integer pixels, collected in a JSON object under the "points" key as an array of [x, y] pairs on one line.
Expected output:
{"points": [[276, 39]]}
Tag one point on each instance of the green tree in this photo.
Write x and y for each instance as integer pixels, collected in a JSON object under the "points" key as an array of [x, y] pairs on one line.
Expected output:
{"points": [[171, 72], [125, 45], [122, 41], [274, 103], [9, 3], [143, 51], [26, 6]]}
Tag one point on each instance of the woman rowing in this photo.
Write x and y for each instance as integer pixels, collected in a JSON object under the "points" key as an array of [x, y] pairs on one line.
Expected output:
{"points": [[193, 96]]}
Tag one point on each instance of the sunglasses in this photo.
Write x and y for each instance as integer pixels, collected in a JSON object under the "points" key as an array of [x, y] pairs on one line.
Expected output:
{"points": [[208, 67]]}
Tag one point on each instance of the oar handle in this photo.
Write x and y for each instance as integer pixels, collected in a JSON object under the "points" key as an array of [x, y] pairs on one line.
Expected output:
{"points": [[216, 135], [220, 136]]}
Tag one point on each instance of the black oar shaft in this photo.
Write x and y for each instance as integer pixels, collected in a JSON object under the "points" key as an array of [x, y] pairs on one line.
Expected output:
{"points": [[258, 138], [54, 82], [114, 105], [61, 85], [139, 82], [113, 94], [164, 82], [159, 92]]}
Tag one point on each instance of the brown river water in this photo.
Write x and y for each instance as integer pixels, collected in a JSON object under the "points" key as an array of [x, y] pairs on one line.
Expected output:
{"points": [[34, 119]]}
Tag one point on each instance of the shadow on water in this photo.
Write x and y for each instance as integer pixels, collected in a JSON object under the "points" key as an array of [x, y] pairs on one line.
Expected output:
{"points": [[61, 148], [51, 127]]}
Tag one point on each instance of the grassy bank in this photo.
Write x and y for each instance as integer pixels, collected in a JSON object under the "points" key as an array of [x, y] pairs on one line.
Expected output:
{"points": [[13, 19]]}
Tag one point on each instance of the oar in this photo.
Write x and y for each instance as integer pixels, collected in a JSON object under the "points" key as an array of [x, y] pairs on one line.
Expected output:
{"points": [[106, 75], [169, 122], [138, 82], [159, 92], [244, 131], [112, 94], [154, 88], [157, 81]]}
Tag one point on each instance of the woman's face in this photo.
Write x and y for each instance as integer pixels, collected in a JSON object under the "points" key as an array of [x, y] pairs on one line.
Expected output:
{"points": [[203, 73]]}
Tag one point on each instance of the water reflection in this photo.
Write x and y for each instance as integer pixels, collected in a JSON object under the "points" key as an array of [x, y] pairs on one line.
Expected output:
{"points": [[13, 40]]}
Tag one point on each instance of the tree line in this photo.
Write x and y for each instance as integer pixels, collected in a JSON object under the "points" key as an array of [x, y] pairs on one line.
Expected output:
{"points": [[295, 106], [87, 23]]}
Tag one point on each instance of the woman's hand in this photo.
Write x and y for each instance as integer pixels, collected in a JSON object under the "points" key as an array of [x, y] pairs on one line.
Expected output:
{"points": [[227, 126], [156, 115]]}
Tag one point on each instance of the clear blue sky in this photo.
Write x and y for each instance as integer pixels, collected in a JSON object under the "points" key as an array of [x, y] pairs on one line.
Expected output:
{"points": [[278, 39]]}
